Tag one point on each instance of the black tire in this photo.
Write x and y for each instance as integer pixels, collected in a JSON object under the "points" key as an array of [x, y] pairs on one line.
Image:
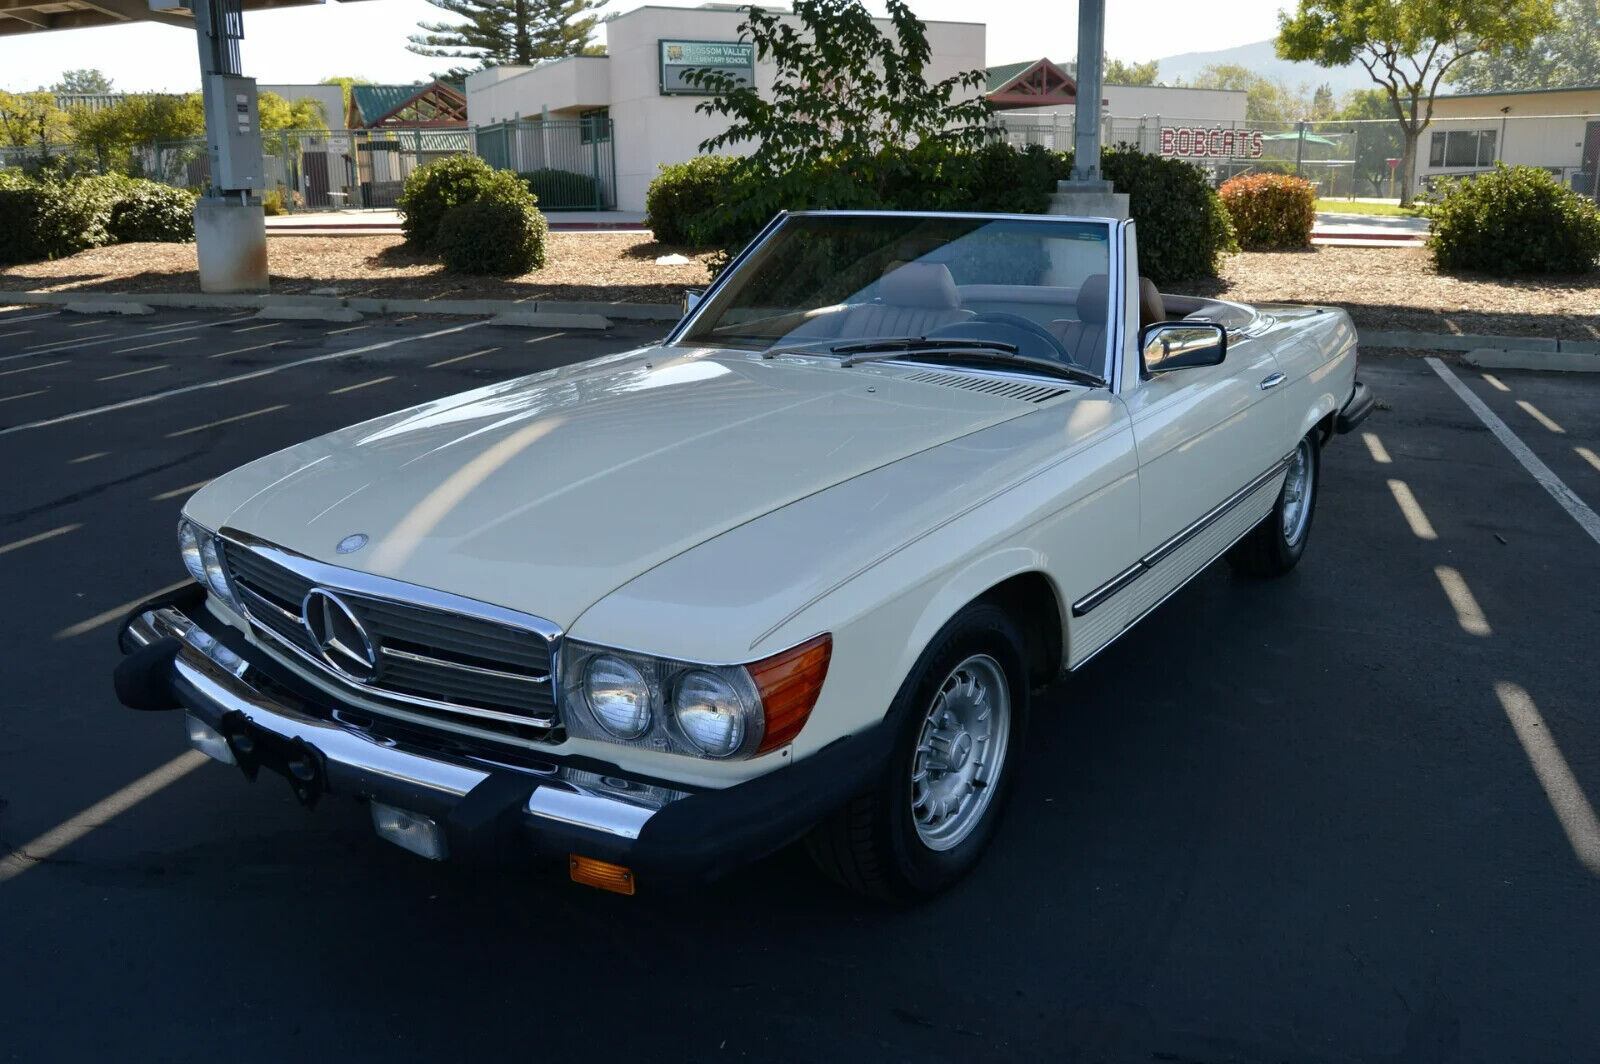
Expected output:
{"points": [[871, 844], [1267, 550]]}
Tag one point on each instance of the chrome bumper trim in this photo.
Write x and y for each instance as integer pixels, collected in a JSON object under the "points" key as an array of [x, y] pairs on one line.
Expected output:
{"points": [[359, 764]]}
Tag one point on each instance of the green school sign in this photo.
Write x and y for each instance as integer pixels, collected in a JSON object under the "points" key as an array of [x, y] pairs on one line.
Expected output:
{"points": [[679, 57]]}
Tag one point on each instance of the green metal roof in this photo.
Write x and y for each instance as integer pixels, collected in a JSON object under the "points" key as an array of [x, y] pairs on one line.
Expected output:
{"points": [[375, 101], [999, 75], [1519, 92]]}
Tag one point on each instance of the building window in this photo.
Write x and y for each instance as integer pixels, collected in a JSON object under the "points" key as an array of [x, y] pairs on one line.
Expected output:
{"points": [[1462, 148], [595, 125]]}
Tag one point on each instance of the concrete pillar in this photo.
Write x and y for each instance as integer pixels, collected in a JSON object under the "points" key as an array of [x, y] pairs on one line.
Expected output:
{"points": [[1087, 195], [231, 243]]}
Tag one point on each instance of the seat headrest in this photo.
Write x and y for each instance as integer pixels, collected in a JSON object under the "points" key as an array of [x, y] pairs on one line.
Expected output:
{"points": [[1094, 299], [920, 284], [1152, 308]]}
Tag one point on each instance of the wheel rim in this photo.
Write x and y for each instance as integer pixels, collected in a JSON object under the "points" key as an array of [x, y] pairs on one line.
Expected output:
{"points": [[961, 751], [1297, 495]]}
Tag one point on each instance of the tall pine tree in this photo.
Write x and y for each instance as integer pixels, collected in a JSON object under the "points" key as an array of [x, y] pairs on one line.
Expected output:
{"points": [[509, 32]]}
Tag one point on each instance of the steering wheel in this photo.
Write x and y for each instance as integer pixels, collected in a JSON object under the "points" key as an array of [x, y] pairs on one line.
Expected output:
{"points": [[1017, 321]]}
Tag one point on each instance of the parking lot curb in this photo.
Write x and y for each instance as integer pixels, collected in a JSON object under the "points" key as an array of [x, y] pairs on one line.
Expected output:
{"points": [[1556, 361], [477, 308], [308, 312]]}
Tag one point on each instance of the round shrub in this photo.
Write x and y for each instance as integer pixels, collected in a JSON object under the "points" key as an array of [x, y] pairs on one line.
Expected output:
{"points": [[1271, 211], [1517, 219], [562, 188], [47, 219], [1184, 231], [431, 191], [501, 236], [683, 191], [152, 212]]}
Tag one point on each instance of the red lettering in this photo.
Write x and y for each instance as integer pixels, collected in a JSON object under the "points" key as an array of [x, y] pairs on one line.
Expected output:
{"points": [[1214, 142], [1185, 142], [1255, 145], [1169, 140], [1227, 142]]}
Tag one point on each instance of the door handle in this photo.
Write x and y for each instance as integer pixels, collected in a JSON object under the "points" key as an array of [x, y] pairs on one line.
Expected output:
{"points": [[1272, 381]]}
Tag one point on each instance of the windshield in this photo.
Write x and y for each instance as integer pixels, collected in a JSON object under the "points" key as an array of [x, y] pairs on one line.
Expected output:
{"points": [[1035, 289]]}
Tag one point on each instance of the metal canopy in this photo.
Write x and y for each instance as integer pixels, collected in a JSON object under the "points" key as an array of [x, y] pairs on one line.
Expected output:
{"points": [[37, 16]]}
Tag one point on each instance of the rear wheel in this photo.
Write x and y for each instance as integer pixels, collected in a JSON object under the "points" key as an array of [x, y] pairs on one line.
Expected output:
{"points": [[926, 822], [1274, 546]]}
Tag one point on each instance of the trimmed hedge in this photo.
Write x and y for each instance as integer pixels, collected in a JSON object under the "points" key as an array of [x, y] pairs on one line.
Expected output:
{"points": [[431, 191], [1271, 211], [1517, 219], [562, 188], [684, 192], [47, 219], [717, 202], [497, 235], [154, 213]]}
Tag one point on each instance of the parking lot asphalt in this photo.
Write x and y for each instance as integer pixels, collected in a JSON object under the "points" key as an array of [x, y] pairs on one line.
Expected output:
{"points": [[1343, 816]]}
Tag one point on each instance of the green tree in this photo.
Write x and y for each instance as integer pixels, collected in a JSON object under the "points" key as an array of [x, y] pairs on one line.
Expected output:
{"points": [[82, 82], [306, 112], [1322, 105], [344, 92], [1267, 100], [1408, 47], [509, 32], [31, 119], [113, 132], [843, 92], [1377, 136], [1116, 72], [1567, 54]]}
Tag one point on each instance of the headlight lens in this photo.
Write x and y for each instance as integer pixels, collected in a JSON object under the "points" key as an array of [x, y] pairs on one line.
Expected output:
{"points": [[710, 713], [617, 695], [211, 560], [189, 547]]}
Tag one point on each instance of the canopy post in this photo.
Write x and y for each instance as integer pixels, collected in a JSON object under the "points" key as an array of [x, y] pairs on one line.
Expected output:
{"points": [[1088, 194]]}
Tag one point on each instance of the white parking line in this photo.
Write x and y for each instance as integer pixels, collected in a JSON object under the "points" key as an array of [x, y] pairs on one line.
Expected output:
{"points": [[242, 350], [158, 343], [187, 489], [1539, 416], [40, 538], [30, 369], [67, 832], [1589, 456], [88, 457], [96, 339], [237, 378], [134, 372], [253, 328], [15, 332], [1421, 527], [1468, 613], [23, 395], [1561, 787], [1375, 447], [227, 420], [346, 329], [363, 384], [115, 613], [82, 341], [461, 358], [1579, 510], [1495, 383], [31, 317]]}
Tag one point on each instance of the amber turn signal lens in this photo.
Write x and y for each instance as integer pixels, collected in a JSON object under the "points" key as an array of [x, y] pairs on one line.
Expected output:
{"points": [[602, 874], [789, 684]]}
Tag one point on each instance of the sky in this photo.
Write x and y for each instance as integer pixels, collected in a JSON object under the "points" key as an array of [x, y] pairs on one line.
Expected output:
{"points": [[367, 39]]}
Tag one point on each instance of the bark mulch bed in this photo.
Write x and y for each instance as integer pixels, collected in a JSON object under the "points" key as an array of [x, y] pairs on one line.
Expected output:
{"points": [[1382, 288]]}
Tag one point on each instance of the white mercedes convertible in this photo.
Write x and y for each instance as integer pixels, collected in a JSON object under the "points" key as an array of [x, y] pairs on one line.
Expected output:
{"points": [[790, 574]]}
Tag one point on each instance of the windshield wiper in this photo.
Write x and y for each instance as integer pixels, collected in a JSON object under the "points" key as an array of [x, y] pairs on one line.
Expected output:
{"points": [[977, 351], [916, 343]]}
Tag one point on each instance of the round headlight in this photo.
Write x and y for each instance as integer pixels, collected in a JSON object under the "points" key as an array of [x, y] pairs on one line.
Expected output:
{"points": [[617, 696], [189, 547], [212, 564], [710, 713]]}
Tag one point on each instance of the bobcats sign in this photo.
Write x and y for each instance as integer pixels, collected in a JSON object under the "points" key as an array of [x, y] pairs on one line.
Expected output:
{"points": [[1188, 142]]}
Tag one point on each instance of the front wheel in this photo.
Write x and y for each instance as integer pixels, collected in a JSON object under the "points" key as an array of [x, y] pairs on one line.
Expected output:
{"points": [[925, 823], [1274, 546]]}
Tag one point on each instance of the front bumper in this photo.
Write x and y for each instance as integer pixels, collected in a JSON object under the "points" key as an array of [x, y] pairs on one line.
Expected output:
{"points": [[180, 655]]}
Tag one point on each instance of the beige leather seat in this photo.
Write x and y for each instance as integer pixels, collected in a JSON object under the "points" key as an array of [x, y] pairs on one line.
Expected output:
{"points": [[1085, 338], [917, 297]]}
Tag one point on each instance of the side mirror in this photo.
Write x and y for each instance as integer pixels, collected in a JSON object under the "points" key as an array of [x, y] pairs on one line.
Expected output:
{"points": [[1170, 345], [691, 299]]}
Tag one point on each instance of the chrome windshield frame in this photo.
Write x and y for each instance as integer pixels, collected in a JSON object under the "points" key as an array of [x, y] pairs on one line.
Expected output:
{"points": [[1115, 235]]}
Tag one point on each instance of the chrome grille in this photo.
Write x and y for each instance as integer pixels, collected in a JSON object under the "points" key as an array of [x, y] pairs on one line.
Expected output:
{"points": [[460, 669]]}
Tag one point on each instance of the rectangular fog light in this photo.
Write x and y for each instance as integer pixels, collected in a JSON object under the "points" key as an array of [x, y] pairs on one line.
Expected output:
{"points": [[410, 831], [206, 739]]}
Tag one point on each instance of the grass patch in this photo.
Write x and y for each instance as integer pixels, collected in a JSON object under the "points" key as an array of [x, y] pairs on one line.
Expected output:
{"points": [[1339, 206]]}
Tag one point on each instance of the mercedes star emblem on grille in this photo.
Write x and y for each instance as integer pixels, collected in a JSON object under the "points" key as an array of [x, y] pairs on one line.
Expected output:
{"points": [[352, 543], [339, 635]]}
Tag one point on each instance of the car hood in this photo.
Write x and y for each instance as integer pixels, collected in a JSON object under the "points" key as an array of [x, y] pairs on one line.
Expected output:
{"points": [[545, 493]]}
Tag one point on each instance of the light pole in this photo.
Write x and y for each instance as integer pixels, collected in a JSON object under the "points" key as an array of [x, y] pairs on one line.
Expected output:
{"points": [[1088, 194]]}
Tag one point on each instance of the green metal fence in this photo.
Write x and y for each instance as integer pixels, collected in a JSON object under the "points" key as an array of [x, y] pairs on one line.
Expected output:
{"points": [[568, 162]]}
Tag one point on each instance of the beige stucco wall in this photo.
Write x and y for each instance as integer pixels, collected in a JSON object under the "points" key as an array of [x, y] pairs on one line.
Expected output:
{"points": [[652, 129], [1540, 129]]}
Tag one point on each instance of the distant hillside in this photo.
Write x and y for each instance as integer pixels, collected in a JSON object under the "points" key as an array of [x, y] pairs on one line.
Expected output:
{"points": [[1261, 58]]}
